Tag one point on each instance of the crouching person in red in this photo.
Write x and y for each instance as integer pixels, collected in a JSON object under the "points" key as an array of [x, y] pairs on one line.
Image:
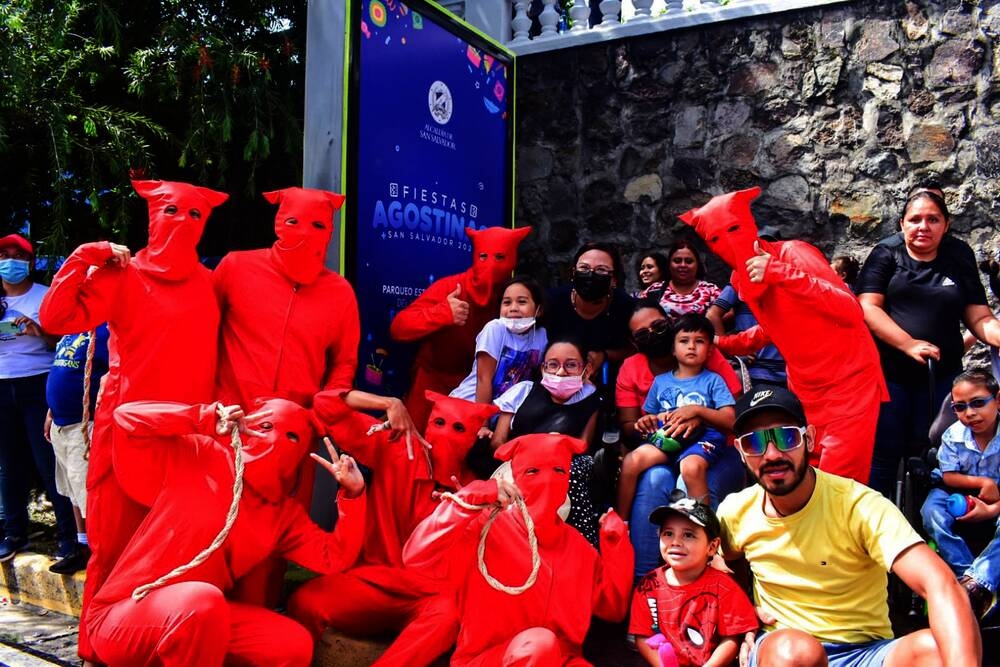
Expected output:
{"points": [[186, 477], [528, 596]]}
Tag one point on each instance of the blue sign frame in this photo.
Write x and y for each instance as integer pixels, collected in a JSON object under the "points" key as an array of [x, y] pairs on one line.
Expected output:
{"points": [[429, 152]]}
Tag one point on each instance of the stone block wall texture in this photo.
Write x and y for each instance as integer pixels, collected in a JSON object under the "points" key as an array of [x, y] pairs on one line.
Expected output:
{"points": [[834, 112]]}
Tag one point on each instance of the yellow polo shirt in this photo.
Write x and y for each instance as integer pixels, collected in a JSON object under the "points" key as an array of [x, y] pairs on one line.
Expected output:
{"points": [[822, 570]]}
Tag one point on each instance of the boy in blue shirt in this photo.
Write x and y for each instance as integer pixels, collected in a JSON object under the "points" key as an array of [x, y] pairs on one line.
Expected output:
{"points": [[692, 405], [969, 463], [66, 430]]}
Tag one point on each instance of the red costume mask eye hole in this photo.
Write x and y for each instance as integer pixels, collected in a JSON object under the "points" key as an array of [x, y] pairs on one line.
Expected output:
{"points": [[499, 257], [733, 228], [170, 210], [265, 426], [291, 221], [714, 240], [195, 214], [293, 437], [459, 427], [439, 421], [483, 256], [318, 225]]}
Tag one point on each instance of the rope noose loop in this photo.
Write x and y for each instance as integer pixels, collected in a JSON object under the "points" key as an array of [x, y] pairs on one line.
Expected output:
{"points": [[142, 591], [529, 524], [88, 372]]}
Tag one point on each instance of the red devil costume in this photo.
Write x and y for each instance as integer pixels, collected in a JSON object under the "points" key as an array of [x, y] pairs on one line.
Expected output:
{"points": [[807, 311], [545, 625], [445, 349], [289, 328], [289, 325], [187, 482], [163, 322], [379, 595]]}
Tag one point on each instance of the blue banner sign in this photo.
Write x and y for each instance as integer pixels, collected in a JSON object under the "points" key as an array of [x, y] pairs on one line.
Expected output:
{"points": [[430, 149]]}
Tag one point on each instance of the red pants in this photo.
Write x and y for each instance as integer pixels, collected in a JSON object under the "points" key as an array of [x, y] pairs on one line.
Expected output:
{"points": [[427, 626], [112, 519], [192, 623], [534, 647]]}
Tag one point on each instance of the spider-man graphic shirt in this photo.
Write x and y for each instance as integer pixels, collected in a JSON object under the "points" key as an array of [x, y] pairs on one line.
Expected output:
{"points": [[693, 618]]}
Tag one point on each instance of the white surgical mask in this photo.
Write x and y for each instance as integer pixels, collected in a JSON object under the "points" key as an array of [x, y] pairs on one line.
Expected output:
{"points": [[562, 386], [518, 325]]}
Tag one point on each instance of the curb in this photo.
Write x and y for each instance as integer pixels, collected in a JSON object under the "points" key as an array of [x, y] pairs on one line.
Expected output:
{"points": [[26, 579]]}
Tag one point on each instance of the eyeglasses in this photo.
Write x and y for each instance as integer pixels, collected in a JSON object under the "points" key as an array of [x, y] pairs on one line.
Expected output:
{"points": [[975, 404], [784, 438], [585, 270], [571, 366], [654, 330]]}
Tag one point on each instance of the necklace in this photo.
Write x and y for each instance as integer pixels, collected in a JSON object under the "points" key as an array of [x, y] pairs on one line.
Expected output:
{"points": [[774, 507]]}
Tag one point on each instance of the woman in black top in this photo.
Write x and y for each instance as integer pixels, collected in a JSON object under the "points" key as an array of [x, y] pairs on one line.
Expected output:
{"points": [[917, 288]]}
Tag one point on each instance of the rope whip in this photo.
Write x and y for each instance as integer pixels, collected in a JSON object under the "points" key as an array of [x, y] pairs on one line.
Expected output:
{"points": [[536, 561], [142, 591], [88, 371]]}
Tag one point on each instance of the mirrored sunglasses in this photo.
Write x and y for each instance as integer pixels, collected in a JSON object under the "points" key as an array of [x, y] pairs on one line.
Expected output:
{"points": [[784, 438]]}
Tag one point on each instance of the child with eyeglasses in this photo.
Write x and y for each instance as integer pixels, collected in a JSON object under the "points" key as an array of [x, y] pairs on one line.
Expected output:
{"points": [[688, 410], [565, 402], [969, 464]]}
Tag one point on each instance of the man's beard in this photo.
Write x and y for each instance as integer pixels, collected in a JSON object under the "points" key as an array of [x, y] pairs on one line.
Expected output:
{"points": [[784, 487]]}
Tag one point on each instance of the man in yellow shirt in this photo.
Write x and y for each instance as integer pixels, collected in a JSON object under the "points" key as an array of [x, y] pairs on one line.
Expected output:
{"points": [[820, 546]]}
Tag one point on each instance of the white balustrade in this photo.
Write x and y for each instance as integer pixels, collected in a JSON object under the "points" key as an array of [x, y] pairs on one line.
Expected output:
{"points": [[520, 24], [619, 19], [549, 18], [609, 10], [580, 14]]}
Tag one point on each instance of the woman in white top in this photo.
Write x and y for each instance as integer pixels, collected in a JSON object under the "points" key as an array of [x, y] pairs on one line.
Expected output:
{"points": [[25, 358]]}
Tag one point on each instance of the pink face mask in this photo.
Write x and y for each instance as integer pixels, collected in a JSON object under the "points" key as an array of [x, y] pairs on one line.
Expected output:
{"points": [[562, 386]]}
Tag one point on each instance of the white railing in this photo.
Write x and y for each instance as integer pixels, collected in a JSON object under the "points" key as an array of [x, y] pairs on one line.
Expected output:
{"points": [[509, 22]]}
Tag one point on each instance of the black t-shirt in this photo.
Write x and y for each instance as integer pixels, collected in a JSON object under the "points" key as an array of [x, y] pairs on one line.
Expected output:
{"points": [[607, 331], [926, 299]]}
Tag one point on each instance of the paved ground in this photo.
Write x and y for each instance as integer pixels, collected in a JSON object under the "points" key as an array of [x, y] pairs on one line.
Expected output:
{"points": [[31, 637]]}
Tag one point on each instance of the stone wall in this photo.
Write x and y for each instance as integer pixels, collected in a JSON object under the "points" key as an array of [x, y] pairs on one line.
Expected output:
{"points": [[835, 113]]}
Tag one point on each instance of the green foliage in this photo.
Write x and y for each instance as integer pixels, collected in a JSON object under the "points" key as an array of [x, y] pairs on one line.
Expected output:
{"points": [[201, 90]]}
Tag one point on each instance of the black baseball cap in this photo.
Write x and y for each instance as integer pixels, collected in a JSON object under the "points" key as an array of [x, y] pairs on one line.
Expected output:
{"points": [[764, 398], [691, 509]]}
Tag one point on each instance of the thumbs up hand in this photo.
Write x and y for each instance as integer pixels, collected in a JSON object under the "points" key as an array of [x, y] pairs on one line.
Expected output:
{"points": [[757, 265], [459, 308]]}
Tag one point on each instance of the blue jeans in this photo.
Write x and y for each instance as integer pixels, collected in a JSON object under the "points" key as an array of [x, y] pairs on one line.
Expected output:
{"points": [[653, 489], [940, 525], [22, 441], [868, 654], [905, 419]]}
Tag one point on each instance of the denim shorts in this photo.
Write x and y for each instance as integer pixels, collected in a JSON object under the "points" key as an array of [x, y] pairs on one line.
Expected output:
{"points": [[868, 654]]}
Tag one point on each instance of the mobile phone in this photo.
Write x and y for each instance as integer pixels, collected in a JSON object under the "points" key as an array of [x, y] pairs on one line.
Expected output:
{"points": [[9, 328]]}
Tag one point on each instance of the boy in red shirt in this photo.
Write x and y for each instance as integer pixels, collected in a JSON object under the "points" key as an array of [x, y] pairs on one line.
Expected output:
{"points": [[687, 613]]}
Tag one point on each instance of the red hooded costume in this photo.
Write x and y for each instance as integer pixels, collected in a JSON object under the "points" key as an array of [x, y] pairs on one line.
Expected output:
{"points": [[289, 325], [379, 595], [163, 322], [174, 463], [545, 625], [445, 349], [289, 328], [807, 311]]}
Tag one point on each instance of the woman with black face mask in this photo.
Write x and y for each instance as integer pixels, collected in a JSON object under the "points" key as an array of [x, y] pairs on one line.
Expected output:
{"points": [[593, 308], [651, 332]]}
